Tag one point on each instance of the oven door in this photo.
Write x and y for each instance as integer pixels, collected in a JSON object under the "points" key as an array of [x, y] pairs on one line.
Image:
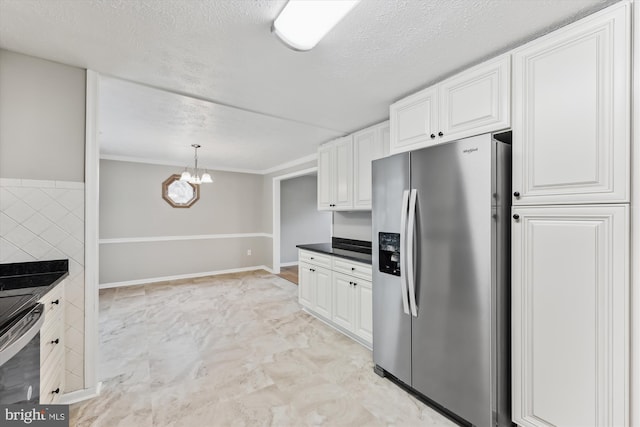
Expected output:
{"points": [[20, 358]]}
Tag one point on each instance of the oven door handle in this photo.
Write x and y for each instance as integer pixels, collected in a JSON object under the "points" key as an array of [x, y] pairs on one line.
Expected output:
{"points": [[32, 329]]}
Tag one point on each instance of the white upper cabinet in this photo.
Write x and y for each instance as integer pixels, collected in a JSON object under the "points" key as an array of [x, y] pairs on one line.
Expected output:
{"points": [[368, 145], [414, 121], [335, 175], [472, 102], [571, 119], [476, 101], [326, 153], [343, 173], [344, 168], [570, 319]]}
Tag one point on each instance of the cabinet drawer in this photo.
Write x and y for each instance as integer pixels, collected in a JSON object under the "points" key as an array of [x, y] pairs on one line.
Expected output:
{"points": [[315, 258], [357, 269], [53, 330], [53, 302], [52, 379]]}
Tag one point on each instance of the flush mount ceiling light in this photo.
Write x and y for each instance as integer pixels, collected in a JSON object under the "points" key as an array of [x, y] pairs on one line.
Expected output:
{"points": [[195, 178], [303, 23]]}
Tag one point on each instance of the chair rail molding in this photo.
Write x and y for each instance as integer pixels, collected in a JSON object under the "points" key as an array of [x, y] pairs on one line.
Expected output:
{"points": [[147, 239]]}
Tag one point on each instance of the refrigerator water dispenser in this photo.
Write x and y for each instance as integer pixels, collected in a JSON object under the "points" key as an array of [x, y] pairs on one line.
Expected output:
{"points": [[389, 253]]}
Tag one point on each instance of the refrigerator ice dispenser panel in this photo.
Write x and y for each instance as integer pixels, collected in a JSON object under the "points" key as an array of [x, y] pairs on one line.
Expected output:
{"points": [[389, 253]]}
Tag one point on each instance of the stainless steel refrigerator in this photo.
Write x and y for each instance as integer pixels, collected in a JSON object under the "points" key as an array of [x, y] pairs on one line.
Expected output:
{"points": [[441, 276]]}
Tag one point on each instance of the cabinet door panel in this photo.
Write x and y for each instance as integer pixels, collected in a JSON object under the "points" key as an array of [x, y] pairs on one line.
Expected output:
{"points": [[323, 292], [343, 173], [569, 316], [363, 316], [476, 101], [342, 301], [571, 113], [368, 145], [325, 185], [306, 285], [385, 135], [413, 120]]}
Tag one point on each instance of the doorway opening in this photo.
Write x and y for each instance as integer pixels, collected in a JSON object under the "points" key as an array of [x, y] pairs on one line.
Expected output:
{"points": [[296, 219]]}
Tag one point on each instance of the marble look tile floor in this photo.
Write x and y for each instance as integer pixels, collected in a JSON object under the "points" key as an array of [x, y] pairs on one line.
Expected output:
{"points": [[234, 350]]}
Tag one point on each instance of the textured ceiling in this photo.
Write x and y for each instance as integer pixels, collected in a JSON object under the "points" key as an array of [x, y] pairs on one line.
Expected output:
{"points": [[256, 103], [138, 122]]}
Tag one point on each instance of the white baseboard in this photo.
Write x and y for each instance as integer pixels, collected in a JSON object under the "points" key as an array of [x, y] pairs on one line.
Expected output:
{"points": [[182, 276], [80, 395], [288, 264]]}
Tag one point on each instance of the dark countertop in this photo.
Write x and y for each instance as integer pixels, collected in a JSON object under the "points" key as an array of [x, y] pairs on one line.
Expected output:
{"points": [[39, 276], [22, 284], [327, 248], [44, 282]]}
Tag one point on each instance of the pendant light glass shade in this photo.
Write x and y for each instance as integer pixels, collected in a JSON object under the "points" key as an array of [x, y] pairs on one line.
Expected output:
{"points": [[206, 178], [195, 178]]}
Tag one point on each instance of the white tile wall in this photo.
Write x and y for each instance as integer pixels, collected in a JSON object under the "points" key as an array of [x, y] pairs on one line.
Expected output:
{"points": [[44, 220]]}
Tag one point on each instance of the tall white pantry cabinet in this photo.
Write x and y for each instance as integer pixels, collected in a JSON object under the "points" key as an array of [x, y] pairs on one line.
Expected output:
{"points": [[570, 230]]}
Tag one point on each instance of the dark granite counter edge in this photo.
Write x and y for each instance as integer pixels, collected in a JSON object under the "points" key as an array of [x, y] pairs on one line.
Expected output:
{"points": [[357, 256], [34, 267], [36, 277]]}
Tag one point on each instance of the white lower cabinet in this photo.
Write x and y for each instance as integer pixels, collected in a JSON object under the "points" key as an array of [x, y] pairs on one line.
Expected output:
{"points": [[342, 314], [52, 353], [352, 305], [570, 319], [306, 285], [314, 290], [323, 291], [363, 310], [341, 296]]}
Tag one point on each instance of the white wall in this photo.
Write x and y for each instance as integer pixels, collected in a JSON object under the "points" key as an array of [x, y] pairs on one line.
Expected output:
{"points": [[300, 220], [42, 119], [42, 124], [352, 225], [134, 220]]}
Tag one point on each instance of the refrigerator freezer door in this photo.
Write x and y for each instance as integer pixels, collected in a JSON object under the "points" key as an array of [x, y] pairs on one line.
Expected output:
{"points": [[391, 325], [452, 334]]}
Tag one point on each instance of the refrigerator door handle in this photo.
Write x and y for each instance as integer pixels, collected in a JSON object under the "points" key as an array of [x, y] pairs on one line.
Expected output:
{"points": [[403, 252], [409, 251]]}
